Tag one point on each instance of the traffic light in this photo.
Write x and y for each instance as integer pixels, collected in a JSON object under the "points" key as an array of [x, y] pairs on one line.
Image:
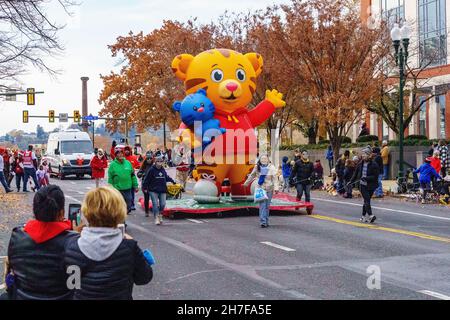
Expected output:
{"points": [[51, 116], [76, 116], [31, 96], [25, 116]]}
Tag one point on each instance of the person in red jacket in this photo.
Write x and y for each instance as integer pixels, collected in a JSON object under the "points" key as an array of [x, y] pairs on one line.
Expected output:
{"points": [[98, 165], [436, 162], [112, 150]]}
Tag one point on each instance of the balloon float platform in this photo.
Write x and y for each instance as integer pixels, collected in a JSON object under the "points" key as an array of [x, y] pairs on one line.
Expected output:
{"points": [[219, 87]]}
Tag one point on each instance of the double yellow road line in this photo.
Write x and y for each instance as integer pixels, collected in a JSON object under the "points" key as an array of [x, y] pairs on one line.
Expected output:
{"points": [[376, 227]]}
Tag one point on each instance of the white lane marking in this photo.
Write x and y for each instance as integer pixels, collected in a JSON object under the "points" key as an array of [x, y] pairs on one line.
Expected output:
{"points": [[385, 209], [194, 221], [72, 182], [72, 198], [435, 294], [79, 192], [268, 243]]}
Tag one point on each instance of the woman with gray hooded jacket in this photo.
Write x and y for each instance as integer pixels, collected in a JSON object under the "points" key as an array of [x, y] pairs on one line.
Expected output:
{"points": [[108, 261], [265, 174]]}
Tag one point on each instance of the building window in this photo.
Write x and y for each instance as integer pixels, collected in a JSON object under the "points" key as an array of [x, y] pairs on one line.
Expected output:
{"points": [[442, 116], [393, 11], [423, 117], [432, 32]]}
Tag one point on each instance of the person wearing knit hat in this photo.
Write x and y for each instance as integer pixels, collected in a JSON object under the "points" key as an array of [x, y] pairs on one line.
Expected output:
{"points": [[426, 174], [367, 173]]}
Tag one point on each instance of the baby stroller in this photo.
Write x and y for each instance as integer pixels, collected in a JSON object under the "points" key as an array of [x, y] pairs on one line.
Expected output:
{"points": [[317, 181]]}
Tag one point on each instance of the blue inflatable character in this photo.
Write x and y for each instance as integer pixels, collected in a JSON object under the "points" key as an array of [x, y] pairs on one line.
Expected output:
{"points": [[197, 107]]}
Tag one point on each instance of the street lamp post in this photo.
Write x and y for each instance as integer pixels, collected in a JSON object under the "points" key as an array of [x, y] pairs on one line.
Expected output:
{"points": [[400, 38]]}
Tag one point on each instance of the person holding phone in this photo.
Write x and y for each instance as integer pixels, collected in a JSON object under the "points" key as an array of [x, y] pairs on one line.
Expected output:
{"points": [[36, 250], [110, 261]]}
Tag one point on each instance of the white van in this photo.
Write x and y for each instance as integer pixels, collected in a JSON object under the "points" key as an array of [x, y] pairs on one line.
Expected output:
{"points": [[69, 153]]}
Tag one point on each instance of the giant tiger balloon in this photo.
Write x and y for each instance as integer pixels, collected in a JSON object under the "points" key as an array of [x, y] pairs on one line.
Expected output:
{"points": [[229, 79]]}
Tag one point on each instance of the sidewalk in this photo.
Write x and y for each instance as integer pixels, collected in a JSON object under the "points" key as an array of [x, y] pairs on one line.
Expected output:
{"points": [[387, 184]]}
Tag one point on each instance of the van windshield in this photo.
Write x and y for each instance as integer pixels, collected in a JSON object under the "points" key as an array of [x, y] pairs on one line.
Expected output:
{"points": [[70, 147]]}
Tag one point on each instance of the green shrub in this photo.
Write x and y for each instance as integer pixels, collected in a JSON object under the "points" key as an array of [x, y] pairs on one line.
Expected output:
{"points": [[327, 142], [416, 137], [368, 138]]}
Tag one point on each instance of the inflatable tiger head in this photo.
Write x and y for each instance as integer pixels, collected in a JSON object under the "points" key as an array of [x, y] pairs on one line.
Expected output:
{"points": [[228, 77]]}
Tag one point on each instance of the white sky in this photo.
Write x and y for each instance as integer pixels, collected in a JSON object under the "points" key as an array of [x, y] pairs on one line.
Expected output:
{"points": [[95, 25]]}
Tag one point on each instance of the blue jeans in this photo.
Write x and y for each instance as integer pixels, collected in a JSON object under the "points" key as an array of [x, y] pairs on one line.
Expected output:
{"points": [[286, 184], [127, 194], [264, 208], [379, 190], [385, 171], [30, 172], [306, 188], [3, 181], [158, 202]]}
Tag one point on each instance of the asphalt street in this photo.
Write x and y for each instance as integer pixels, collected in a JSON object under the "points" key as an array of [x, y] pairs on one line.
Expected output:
{"points": [[328, 255]]}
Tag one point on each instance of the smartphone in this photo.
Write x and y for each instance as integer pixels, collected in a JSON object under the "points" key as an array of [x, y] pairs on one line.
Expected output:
{"points": [[75, 213]]}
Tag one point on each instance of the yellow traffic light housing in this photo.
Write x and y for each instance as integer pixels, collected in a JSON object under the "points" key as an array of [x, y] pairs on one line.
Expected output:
{"points": [[51, 116], [76, 116], [31, 97], [25, 116]]}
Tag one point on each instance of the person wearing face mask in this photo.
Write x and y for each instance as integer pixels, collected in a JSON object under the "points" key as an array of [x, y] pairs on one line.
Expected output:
{"points": [[155, 183], [266, 173], [98, 166], [301, 176], [121, 176], [367, 173], [145, 167]]}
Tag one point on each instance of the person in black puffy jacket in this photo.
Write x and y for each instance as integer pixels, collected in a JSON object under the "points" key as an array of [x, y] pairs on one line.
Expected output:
{"points": [[301, 176], [110, 262], [36, 250]]}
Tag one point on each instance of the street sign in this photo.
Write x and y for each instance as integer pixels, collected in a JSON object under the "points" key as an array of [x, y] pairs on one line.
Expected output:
{"points": [[90, 118], [25, 116], [63, 117], [31, 97], [76, 116], [51, 116]]}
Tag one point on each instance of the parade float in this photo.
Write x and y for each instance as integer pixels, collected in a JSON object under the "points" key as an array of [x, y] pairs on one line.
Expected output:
{"points": [[219, 127]]}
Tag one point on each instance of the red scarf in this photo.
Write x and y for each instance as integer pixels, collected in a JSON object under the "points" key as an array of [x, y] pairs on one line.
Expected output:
{"points": [[41, 232]]}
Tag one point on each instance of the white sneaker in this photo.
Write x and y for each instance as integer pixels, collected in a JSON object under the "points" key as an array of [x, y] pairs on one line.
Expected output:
{"points": [[161, 219], [371, 219], [363, 219], [157, 221]]}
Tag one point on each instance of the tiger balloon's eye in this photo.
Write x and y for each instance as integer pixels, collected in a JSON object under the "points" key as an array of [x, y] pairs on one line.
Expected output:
{"points": [[240, 74], [217, 75]]}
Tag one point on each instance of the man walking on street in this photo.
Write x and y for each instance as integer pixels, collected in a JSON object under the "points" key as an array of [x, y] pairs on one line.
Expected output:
{"points": [[2, 176], [122, 177], [29, 167], [444, 156], [385, 156]]}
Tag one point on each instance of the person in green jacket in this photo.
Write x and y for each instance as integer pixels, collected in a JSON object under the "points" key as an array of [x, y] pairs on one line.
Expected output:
{"points": [[122, 177]]}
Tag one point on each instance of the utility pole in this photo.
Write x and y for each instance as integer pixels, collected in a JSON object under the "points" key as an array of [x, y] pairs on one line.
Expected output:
{"points": [[84, 102]]}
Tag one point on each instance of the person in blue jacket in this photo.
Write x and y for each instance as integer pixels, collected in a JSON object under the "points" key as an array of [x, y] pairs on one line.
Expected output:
{"points": [[286, 170], [426, 173], [155, 183], [330, 157]]}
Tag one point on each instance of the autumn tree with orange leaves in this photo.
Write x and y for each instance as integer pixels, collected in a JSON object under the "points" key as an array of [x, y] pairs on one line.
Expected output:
{"points": [[145, 87], [333, 56]]}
